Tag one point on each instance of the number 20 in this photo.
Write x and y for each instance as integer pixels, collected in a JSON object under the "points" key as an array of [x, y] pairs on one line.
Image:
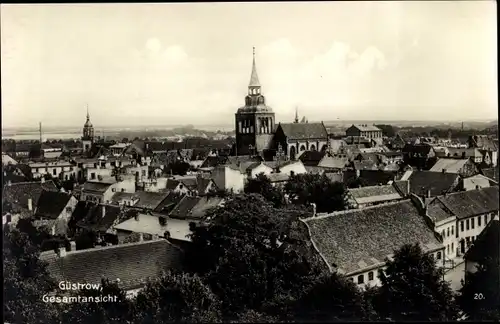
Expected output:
{"points": [[478, 296]]}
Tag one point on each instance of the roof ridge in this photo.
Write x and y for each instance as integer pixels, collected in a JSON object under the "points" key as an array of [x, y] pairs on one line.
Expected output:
{"points": [[115, 246], [348, 211]]}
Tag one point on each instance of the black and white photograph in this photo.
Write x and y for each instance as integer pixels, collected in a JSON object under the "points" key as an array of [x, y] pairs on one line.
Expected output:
{"points": [[250, 162]]}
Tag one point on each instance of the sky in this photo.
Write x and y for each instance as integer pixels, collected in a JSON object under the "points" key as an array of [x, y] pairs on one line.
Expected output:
{"points": [[190, 63]]}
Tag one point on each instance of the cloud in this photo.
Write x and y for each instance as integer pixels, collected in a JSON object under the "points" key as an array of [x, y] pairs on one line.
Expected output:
{"points": [[338, 76]]}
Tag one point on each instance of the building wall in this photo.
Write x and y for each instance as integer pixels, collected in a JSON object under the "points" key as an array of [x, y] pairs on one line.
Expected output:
{"points": [[250, 130], [296, 168], [155, 185], [375, 281], [447, 228], [470, 232], [94, 173], [228, 179], [55, 170], [262, 168]]}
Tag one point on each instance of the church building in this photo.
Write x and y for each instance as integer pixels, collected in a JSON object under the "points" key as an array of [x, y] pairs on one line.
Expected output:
{"points": [[88, 134], [257, 133]]}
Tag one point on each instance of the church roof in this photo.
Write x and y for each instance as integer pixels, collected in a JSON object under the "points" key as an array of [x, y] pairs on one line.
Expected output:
{"points": [[254, 78], [304, 130]]}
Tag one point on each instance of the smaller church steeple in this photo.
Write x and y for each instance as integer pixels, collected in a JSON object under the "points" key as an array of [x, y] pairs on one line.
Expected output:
{"points": [[254, 85], [296, 121]]}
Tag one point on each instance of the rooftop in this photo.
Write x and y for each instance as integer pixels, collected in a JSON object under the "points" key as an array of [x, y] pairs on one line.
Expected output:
{"points": [[133, 263], [51, 204], [450, 165], [304, 130], [472, 202], [437, 182], [354, 240]]}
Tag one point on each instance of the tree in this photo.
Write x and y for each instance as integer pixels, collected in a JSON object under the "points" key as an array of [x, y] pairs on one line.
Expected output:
{"points": [[117, 310], [387, 130], [26, 280], [413, 289], [331, 299], [262, 185], [479, 296], [310, 188], [176, 298], [254, 256]]}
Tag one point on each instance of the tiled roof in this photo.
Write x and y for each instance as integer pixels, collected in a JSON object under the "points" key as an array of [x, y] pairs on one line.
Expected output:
{"points": [[373, 194], [203, 205], [472, 202], [96, 186], [190, 182], [364, 165], [367, 128], [213, 161], [184, 207], [203, 184], [51, 204], [353, 240], [168, 203], [472, 152], [422, 149], [450, 165], [172, 184], [484, 142], [437, 211], [403, 187], [370, 177], [147, 200], [477, 180], [487, 244], [304, 130], [311, 158], [17, 194], [94, 219], [132, 263], [491, 173], [437, 182]]}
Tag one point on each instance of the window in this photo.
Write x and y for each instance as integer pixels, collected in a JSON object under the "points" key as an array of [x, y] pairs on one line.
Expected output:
{"points": [[485, 220], [54, 171], [452, 230], [113, 189], [68, 210], [448, 232], [92, 175], [123, 190], [443, 233], [452, 247], [478, 220], [461, 226], [472, 222], [361, 279], [370, 275], [380, 272], [467, 226], [352, 279], [438, 256], [447, 249], [143, 172]]}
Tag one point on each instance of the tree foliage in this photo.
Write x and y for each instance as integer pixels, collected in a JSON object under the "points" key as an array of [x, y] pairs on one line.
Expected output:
{"points": [[479, 296], [178, 168], [177, 298], [262, 185], [254, 256], [308, 188], [26, 280], [413, 289]]}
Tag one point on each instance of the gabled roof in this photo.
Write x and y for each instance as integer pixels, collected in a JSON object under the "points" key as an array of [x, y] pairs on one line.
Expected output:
{"points": [[422, 149], [472, 152], [312, 158], [17, 194], [437, 182], [491, 173], [213, 161], [487, 244], [366, 128], [294, 131], [194, 207], [370, 177], [96, 186], [478, 180], [472, 202], [51, 204], [94, 219], [450, 165], [168, 203], [353, 240], [146, 199], [132, 263], [172, 184], [484, 142], [375, 194]]}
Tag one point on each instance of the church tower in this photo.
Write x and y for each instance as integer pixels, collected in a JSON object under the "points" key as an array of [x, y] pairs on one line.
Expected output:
{"points": [[255, 121], [88, 134]]}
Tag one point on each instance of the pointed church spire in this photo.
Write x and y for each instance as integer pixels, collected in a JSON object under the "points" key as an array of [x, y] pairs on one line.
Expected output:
{"points": [[254, 78], [296, 115], [88, 115]]}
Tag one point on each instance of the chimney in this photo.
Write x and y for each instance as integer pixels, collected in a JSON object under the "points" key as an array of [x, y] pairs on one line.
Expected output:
{"points": [[72, 246], [103, 210], [61, 252], [314, 209], [428, 193], [30, 204]]}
